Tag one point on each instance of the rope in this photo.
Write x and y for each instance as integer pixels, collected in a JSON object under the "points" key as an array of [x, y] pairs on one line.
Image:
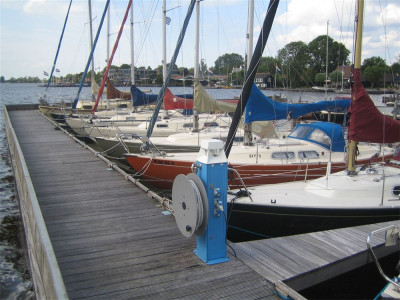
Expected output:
{"points": [[144, 169], [282, 296]]}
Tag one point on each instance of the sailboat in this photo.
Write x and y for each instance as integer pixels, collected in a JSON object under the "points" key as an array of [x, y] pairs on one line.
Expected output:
{"points": [[363, 194], [175, 133], [84, 107], [303, 155], [264, 162]]}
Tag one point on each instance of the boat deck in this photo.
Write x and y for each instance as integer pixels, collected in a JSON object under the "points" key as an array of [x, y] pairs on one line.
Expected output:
{"points": [[111, 240]]}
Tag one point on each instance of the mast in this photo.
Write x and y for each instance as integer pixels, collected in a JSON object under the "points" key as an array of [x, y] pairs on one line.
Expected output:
{"points": [[170, 69], [196, 63], [351, 167], [108, 34], [58, 48], [164, 47], [91, 42], [196, 45], [326, 62], [132, 49], [251, 73], [90, 56], [111, 58], [250, 26], [343, 69], [248, 137]]}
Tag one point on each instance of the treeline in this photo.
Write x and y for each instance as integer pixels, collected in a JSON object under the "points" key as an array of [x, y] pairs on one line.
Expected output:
{"points": [[26, 79], [303, 65], [296, 65]]}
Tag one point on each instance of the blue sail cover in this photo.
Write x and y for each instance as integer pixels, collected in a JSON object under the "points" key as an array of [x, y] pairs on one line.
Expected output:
{"points": [[139, 98], [261, 108], [321, 133]]}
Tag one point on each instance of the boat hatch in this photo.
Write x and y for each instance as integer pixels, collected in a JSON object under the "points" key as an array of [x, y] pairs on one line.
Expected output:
{"points": [[162, 125], [188, 125]]}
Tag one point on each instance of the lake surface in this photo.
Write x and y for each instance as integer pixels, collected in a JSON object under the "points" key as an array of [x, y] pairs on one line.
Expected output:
{"points": [[14, 276]]}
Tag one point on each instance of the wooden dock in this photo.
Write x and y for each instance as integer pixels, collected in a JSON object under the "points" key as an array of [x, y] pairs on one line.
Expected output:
{"points": [[92, 233]]}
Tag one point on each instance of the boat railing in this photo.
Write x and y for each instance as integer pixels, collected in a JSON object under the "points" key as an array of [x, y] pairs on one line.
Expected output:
{"points": [[391, 238]]}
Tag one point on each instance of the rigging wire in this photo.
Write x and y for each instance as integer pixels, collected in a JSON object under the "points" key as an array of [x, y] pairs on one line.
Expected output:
{"points": [[144, 33]]}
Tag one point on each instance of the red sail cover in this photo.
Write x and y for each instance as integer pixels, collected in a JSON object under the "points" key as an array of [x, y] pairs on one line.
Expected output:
{"points": [[367, 123], [114, 93], [173, 102]]}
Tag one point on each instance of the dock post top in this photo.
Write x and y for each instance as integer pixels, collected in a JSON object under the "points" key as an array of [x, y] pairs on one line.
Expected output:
{"points": [[212, 152]]}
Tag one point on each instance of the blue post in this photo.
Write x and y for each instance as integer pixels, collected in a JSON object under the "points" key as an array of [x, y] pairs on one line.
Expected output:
{"points": [[212, 168]]}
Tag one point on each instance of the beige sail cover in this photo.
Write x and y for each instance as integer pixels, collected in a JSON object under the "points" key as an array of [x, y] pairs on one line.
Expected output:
{"points": [[96, 88], [203, 102]]}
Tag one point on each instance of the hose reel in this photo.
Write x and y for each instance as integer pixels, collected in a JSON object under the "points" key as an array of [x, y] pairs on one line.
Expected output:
{"points": [[190, 204]]}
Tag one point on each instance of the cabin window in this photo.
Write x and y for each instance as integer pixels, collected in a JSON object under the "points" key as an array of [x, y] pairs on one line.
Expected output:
{"points": [[321, 137], [282, 155], [237, 139], [308, 154], [188, 125], [122, 106], [396, 190], [300, 132], [211, 124], [162, 125], [130, 118], [87, 107]]}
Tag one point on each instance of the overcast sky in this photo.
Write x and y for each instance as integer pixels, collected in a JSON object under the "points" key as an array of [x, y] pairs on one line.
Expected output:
{"points": [[30, 31]]}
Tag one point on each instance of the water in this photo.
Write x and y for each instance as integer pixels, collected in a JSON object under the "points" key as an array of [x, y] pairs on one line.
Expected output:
{"points": [[14, 275]]}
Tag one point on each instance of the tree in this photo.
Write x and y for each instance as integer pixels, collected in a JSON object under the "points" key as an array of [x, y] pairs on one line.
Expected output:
{"points": [[295, 61], [225, 63], [125, 66], [373, 61], [175, 68], [236, 78], [336, 77], [373, 74], [159, 79], [183, 71], [320, 78], [203, 69], [337, 54], [267, 65], [396, 68]]}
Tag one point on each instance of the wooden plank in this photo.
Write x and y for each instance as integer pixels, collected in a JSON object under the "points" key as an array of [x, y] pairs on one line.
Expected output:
{"points": [[111, 240]]}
